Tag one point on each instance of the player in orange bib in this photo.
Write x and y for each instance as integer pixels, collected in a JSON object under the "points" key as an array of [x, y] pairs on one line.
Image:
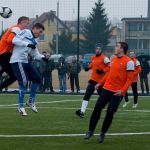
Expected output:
{"points": [[137, 70], [118, 81], [99, 66], [6, 47]]}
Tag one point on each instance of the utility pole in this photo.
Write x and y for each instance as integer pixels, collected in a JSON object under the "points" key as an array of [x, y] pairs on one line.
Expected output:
{"points": [[2, 28], [57, 39], [78, 35]]}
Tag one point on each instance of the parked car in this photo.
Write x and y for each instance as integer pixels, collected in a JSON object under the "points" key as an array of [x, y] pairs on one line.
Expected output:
{"points": [[70, 58], [55, 58], [87, 59]]}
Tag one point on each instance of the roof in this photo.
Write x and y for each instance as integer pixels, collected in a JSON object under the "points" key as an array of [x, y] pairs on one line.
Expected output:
{"points": [[43, 17], [73, 25], [135, 19]]}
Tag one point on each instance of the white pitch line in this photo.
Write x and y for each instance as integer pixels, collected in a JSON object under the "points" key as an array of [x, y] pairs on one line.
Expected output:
{"points": [[70, 108], [70, 135], [51, 102]]}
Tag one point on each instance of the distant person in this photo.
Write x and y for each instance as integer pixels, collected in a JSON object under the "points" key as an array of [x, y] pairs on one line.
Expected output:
{"points": [[42, 70], [137, 70], [62, 68], [74, 70], [144, 75], [46, 68]]}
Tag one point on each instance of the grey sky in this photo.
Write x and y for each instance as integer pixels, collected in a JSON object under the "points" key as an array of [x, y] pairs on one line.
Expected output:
{"points": [[114, 8]]}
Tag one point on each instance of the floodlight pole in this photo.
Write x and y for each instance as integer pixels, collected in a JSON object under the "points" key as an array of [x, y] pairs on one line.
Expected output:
{"points": [[57, 35], [78, 35]]}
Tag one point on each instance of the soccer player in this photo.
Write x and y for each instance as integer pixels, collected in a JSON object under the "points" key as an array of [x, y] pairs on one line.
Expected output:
{"points": [[6, 47], [99, 66], [137, 70], [118, 81], [25, 42]]}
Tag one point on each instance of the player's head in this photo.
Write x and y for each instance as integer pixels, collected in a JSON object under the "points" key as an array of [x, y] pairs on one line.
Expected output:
{"points": [[121, 48], [23, 22], [38, 29], [98, 48], [132, 55]]}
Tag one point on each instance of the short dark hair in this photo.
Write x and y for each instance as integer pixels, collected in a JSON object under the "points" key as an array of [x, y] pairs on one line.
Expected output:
{"points": [[22, 18], [39, 26], [124, 45]]}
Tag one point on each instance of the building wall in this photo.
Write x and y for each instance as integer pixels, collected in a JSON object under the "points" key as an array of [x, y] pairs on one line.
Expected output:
{"points": [[137, 40], [50, 29]]}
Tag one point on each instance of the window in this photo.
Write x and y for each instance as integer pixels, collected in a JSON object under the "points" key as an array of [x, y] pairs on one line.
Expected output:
{"points": [[145, 26], [143, 44], [140, 26], [42, 37], [133, 44], [132, 26], [137, 26]]}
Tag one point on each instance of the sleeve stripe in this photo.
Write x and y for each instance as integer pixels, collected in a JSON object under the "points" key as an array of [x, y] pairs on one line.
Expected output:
{"points": [[130, 70]]}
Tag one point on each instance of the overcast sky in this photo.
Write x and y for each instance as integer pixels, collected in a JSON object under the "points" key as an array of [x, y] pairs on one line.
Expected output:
{"points": [[68, 8]]}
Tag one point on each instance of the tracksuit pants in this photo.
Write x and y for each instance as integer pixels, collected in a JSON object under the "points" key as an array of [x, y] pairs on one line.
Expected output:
{"points": [[90, 90], [106, 97], [135, 93]]}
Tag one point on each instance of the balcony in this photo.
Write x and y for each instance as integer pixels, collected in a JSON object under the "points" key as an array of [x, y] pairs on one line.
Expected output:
{"points": [[138, 34], [142, 52]]}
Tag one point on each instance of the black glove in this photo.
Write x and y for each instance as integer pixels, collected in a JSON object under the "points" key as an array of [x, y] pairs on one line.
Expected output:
{"points": [[31, 46], [86, 69], [99, 71], [45, 59]]}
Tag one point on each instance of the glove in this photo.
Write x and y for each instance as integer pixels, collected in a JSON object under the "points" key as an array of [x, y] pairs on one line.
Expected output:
{"points": [[87, 69], [31, 46], [99, 71], [45, 59]]}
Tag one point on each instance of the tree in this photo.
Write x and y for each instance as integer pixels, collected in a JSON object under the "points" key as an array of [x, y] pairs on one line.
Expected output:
{"points": [[65, 43], [96, 29]]}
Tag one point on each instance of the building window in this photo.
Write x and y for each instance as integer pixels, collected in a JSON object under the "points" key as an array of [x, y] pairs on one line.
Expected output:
{"points": [[140, 26], [133, 44], [42, 37], [143, 44], [137, 26], [132, 26], [145, 26]]}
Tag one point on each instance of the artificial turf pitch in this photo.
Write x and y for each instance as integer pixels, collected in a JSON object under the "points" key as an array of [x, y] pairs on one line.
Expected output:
{"points": [[56, 127]]}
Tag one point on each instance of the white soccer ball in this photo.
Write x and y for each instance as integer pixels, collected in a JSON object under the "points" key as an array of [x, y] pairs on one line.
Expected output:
{"points": [[5, 12]]}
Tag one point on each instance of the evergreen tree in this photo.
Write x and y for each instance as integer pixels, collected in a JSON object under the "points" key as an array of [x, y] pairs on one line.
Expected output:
{"points": [[96, 29]]}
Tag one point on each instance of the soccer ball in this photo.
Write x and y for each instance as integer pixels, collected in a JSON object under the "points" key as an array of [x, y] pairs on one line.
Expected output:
{"points": [[5, 12]]}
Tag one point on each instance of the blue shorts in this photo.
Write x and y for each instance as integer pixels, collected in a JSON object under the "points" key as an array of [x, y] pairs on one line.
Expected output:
{"points": [[25, 72]]}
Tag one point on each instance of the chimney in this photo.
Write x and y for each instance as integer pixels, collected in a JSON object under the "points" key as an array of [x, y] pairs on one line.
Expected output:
{"points": [[148, 12]]}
